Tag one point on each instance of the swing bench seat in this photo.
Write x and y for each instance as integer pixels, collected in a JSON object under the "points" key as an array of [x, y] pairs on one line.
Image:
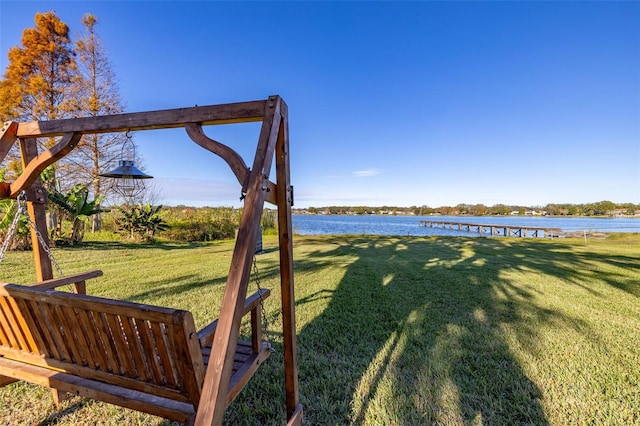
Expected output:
{"points": [[143, 357]]}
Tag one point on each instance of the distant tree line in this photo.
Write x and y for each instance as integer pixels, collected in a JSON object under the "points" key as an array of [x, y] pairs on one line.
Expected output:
{"points": [[600, 208]]}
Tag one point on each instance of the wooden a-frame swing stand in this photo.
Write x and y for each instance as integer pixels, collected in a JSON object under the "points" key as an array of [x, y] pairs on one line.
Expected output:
{"points": [[172, 375]]}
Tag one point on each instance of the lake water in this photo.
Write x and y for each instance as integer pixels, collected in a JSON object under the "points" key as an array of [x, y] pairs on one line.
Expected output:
{"points": [[409, 225]]}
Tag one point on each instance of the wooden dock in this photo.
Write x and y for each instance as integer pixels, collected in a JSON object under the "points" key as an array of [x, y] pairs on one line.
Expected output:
{"points": [[495, 230]]}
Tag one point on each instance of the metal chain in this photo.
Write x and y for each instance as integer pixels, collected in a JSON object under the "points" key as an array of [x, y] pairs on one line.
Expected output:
{"points": [[46, 248], [20, 210], [265, 320]]}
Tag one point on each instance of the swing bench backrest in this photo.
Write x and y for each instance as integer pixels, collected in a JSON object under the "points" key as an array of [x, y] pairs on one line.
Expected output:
{"points": [[144, 357]]}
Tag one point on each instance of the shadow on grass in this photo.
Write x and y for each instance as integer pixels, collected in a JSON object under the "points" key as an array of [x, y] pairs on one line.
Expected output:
{"points": [[70, 409], [171, 287], [413, 333], [135, 245], [154, 287]]}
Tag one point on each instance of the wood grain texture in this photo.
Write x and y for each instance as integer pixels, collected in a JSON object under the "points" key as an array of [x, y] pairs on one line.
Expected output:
{"points": [[8, 136], [241, 112], [36, 211], [36, 165], [66, 280], [285, 242]]}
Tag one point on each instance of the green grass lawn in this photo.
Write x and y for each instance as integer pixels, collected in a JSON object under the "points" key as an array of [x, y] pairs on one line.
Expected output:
{"points": [[399, 331]]}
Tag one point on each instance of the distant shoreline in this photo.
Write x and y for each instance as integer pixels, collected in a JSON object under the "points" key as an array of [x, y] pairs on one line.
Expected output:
{"points": [[306, 213]]}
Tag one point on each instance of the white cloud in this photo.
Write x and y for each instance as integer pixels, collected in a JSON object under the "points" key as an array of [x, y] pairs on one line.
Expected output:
{"points": [[366, 173]]}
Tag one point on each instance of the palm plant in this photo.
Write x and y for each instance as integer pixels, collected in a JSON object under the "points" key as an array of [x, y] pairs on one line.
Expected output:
{"points": [[76, 204], [21, 240]]}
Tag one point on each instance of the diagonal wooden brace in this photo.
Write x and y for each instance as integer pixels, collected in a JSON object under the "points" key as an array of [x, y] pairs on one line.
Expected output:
{"points": [[232, 158], [37, 165], [7, 137]]}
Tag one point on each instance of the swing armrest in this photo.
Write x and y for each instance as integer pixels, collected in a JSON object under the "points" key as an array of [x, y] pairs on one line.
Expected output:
{"points": [[252, 303], [77, 279]]}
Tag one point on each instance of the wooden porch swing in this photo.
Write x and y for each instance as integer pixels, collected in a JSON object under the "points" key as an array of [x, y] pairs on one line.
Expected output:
{"points": [[143, 357]]}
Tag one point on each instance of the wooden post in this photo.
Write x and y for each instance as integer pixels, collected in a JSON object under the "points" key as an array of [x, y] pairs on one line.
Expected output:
{"points": [[285, 232], [216, 382], [37, 214]]}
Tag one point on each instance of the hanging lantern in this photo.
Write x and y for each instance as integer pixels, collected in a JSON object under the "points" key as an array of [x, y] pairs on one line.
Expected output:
{"points": [[127, 173]]}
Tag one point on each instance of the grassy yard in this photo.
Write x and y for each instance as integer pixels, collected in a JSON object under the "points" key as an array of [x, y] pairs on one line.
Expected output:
{"points": [[399, 331]]}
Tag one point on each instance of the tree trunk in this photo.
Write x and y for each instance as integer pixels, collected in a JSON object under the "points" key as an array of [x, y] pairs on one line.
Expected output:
{"points": [[96, 222], [52, 221], [77, 234], [59, 220]]}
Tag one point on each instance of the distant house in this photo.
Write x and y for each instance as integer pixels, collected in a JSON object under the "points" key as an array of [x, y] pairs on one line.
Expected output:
{"points": [[529, 213]]}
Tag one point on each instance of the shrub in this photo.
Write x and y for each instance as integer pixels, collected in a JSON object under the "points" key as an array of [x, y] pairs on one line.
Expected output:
{"points": [[140, 222], [190, 224]]}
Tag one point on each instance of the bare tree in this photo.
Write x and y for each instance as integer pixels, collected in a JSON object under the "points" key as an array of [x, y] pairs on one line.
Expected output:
{"points": [[97, 94], [48, 79]]}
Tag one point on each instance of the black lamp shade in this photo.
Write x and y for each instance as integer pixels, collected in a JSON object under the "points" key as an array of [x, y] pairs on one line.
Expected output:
{"points": [[126, 170]]}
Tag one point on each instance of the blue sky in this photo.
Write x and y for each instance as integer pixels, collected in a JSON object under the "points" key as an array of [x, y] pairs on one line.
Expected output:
{"points": [[391, 103]]}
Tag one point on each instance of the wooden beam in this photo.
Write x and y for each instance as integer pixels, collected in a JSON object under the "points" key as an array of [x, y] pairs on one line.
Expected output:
{"points": [[242, 112], [35, 165], [7, 137], [217, 378], [285, 233]]}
